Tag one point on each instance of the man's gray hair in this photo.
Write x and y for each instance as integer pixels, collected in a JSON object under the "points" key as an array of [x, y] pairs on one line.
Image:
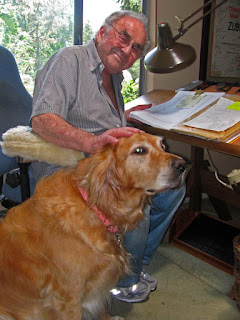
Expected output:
{"points": [[115, 16]]}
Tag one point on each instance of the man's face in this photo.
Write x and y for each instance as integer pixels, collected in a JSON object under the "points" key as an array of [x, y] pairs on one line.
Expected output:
{"points": [[115, 55]]}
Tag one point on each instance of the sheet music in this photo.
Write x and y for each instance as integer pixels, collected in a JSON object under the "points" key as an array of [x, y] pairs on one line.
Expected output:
{"points": [[167, 115]]}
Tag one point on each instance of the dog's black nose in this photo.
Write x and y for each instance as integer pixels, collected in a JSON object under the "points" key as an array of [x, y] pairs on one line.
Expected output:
{"points": [[179, 164]]}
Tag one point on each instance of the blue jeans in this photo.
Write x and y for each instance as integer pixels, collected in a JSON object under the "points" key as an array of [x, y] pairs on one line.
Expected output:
{"points": [[144, 240]]}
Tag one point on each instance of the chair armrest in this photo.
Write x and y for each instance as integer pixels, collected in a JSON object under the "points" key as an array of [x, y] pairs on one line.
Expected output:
{"points": [[22, 141]]}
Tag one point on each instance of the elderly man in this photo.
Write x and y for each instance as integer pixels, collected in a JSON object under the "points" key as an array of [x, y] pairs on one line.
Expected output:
{"points": [[78, 104]]}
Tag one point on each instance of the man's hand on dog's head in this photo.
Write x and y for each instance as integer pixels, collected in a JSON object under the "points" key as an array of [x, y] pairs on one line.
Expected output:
{"points": [[110, 136]]}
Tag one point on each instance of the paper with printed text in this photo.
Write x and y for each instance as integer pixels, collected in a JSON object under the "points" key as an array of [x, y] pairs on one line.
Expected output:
{"points": [[167, 115]]}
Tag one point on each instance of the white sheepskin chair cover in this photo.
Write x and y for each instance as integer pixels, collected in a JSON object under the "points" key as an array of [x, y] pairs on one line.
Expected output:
{"points": [[22, 141]]}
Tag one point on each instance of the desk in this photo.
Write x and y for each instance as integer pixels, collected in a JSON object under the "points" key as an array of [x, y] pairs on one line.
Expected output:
{"points": [[200, 179]]}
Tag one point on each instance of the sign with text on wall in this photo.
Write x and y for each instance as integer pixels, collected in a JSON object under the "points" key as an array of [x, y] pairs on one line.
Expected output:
{"points": [[224, 53]]}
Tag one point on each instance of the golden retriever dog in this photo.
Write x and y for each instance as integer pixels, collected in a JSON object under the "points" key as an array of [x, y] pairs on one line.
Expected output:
{"points": [[61, 250]]}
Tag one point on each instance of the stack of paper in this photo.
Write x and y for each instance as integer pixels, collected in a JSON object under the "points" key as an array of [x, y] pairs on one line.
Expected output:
{"points": [[217, 118]]}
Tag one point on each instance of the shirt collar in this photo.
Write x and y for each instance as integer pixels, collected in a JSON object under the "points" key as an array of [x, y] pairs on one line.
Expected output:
{"points": [[94, 59]]}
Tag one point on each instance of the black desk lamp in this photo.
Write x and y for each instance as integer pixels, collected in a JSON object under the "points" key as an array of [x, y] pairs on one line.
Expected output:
{"points": [[169, 55]]}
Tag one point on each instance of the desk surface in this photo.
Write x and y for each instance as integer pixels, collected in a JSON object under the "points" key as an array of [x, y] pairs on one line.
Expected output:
{"points": [[159, 96]]}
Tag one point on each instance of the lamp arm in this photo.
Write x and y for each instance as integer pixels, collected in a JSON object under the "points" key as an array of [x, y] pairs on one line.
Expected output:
{"points": [[182, 30]]}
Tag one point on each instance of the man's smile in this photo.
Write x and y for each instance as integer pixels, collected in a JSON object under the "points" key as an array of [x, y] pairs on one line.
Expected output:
{"points": [[120, 56]]}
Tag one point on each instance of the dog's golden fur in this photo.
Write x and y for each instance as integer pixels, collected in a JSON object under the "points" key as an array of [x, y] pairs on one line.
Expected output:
{"points": [[56, 256]]}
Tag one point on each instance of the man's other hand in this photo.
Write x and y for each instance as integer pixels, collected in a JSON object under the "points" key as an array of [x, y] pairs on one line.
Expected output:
{"points": [[110, 136], [137, 108]]}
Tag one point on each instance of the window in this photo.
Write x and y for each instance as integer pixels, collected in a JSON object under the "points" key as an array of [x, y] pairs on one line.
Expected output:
{"points": [[33, 30]]}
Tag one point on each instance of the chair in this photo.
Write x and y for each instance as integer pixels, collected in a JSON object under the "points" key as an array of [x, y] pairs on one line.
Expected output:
{"points": [[15, 109]]}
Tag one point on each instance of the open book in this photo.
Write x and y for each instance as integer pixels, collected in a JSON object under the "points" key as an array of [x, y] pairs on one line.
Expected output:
{"points": [[182, 106]]}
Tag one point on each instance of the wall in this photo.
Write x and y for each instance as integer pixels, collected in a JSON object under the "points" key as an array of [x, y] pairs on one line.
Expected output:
{"points": [[166, 11]]}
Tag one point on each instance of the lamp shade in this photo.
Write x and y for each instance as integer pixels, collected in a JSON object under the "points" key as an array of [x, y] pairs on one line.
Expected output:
{"points": [[168, 56]]}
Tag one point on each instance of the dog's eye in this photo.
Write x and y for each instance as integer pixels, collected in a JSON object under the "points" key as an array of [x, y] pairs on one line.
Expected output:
{"points": [[163, 145], [140, 150]]}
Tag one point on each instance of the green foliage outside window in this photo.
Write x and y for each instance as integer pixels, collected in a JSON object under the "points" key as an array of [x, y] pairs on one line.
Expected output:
{"points": [[134, 5], [130, 90], [34, 30]]}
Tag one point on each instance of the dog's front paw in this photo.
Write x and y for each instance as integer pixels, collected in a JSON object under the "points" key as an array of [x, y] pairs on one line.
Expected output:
{"points": [[117, 318]]}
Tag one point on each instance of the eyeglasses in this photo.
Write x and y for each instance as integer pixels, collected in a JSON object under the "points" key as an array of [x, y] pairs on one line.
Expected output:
{"points": [[124, 39]]}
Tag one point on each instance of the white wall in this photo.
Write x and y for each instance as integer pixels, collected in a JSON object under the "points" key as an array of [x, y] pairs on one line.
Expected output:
{"points": [[166, 11]]}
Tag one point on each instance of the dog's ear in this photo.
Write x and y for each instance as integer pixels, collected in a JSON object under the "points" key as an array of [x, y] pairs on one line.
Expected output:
{"points": [[102, 180]]}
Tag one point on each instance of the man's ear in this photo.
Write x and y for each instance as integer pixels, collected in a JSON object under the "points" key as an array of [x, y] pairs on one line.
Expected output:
{"points": [[101, 33]]}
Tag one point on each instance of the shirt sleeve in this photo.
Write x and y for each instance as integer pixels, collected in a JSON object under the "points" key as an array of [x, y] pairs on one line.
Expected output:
{"points": [[55, 87]]}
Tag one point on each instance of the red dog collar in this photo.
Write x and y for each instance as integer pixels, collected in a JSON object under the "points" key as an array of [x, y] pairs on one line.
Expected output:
{"points": [[101, 216]]}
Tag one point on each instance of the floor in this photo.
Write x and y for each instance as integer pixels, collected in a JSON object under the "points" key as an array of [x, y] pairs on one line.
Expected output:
{"points": [[188, 289]]}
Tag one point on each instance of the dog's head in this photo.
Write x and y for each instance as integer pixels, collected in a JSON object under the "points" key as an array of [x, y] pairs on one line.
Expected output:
{"points": [[138, 163], [144, 163]]}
